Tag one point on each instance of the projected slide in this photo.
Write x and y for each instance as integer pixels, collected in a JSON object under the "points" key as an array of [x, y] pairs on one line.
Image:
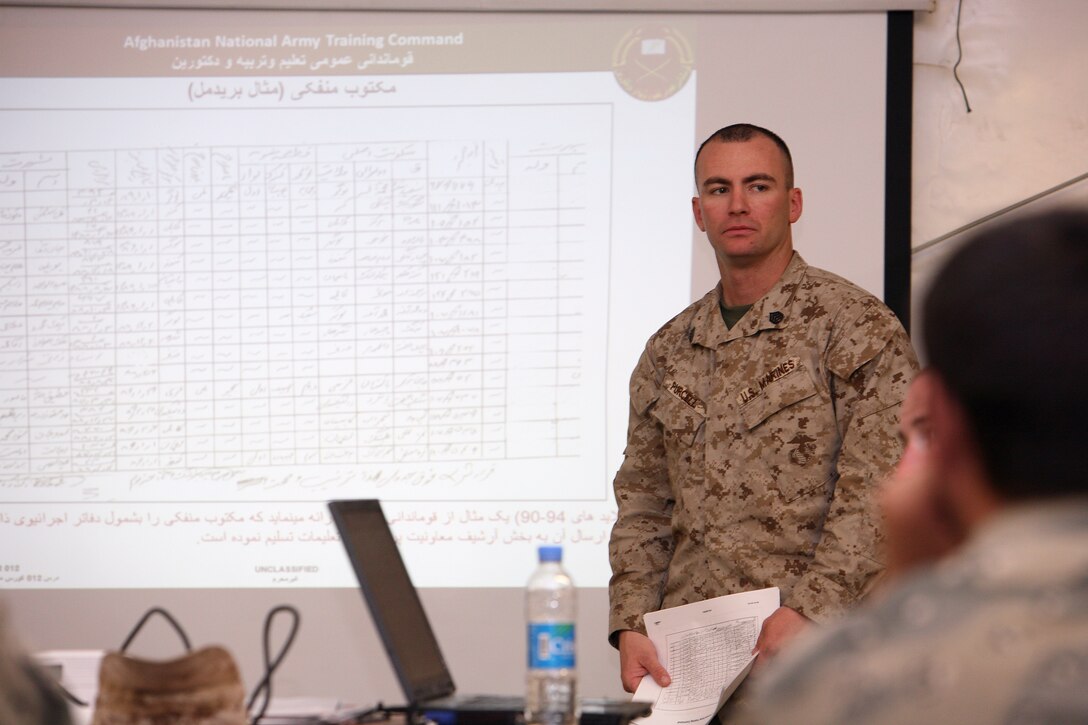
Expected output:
{"points": [[279, 268], [254, 261]]}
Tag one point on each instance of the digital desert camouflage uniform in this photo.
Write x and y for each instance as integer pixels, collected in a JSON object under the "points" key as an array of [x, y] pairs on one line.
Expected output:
{"points": [[997, 633], [753, 453]]}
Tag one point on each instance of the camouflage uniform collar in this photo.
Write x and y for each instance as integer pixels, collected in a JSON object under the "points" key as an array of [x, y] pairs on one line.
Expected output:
{"points": [[770, 312]]}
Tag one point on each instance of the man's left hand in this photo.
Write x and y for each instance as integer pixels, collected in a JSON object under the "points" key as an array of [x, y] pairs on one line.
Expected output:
{"points": [[778, 629]]}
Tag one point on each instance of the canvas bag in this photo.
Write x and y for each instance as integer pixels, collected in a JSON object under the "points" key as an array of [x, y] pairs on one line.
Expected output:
{"points": [[202, 687]]}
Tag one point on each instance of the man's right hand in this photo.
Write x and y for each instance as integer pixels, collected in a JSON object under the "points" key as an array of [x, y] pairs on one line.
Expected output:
{"points": [[638, 658]]}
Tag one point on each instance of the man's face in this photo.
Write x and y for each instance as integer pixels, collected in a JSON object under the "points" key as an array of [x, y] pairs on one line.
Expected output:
{"points": [[743, 203], [917, 522]]}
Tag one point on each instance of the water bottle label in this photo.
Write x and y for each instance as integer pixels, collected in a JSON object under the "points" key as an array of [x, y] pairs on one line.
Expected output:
{"points": [[551, 645]]}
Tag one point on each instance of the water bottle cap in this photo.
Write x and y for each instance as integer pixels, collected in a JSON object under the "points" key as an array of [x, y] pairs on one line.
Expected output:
{"points": [[551, 553]]}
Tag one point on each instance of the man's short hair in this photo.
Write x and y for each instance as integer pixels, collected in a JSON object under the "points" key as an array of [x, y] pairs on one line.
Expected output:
{"points": [[1006, 327], [745, 132]]}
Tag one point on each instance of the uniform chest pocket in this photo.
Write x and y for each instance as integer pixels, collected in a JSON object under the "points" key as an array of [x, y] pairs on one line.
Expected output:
{"points": [[777, 396], [681, 422]]}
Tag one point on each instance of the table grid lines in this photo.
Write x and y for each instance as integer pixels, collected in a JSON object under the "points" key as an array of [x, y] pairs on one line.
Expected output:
{"points": [[702, 660], [285, 305]]}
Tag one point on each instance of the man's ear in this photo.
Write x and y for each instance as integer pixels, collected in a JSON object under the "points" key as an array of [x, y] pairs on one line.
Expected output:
{"points": [[697, 212]]}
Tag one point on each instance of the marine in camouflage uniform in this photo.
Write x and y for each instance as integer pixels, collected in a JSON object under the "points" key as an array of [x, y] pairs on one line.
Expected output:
{"points": [[754, 446], [753, 452]]}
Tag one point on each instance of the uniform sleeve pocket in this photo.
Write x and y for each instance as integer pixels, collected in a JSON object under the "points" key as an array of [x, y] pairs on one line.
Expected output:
{"points": [[777, 395], [680, 421]]}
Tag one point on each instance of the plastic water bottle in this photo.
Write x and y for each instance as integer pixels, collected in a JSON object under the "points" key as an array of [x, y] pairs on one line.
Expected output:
{"points": [[550, 604]]}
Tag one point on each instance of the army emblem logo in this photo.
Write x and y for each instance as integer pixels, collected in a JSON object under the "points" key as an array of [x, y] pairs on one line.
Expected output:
{"points": [[652, 62]]}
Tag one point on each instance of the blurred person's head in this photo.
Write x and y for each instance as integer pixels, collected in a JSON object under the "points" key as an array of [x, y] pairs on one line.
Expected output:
{"points": [[27, 696], [998, 416], [1006, 330]]}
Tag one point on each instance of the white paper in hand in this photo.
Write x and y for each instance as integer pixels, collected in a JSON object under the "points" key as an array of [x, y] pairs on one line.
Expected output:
{"points": [[706, 647]]}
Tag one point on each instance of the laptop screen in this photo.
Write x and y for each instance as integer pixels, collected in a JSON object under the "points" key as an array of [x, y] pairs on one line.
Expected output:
{"points": [[394, 603]]}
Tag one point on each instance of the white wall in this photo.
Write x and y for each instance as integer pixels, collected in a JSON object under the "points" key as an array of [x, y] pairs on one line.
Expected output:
{"points": [[1023, 69]]}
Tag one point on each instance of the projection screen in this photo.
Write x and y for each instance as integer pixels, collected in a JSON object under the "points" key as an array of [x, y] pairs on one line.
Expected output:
{"points": [[252, 261]]}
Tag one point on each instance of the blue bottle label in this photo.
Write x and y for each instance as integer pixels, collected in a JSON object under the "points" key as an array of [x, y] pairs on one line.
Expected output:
{"points": [[551, 645]]}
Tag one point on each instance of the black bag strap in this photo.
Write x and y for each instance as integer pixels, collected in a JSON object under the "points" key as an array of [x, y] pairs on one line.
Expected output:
{"points": [[169, 618]]}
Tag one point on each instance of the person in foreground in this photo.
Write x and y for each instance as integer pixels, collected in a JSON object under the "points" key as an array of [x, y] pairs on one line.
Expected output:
{"points": [[27, 696], [985, 619], [762, 418]]}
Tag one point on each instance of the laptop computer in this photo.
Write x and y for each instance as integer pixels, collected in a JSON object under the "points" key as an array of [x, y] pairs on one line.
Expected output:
{"points": [[409, 641]]}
